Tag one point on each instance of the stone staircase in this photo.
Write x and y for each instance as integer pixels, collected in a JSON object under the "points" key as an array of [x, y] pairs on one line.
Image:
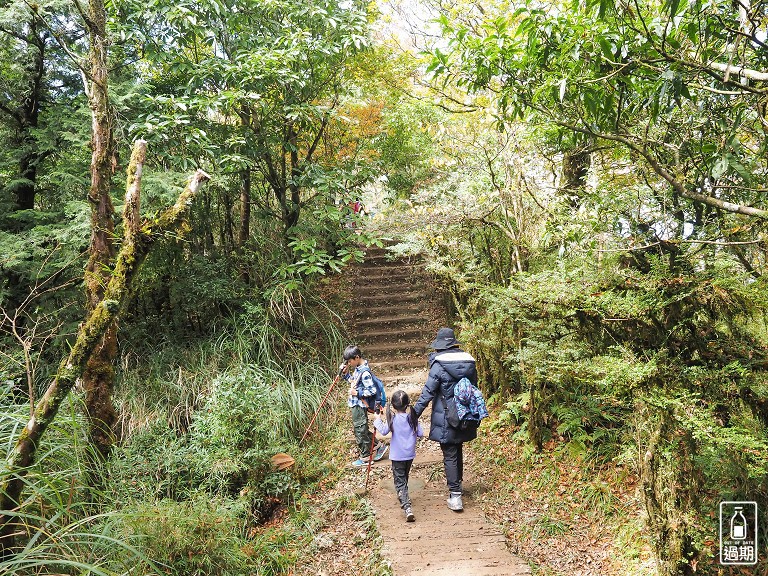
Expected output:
{"points": [[396, 311]]}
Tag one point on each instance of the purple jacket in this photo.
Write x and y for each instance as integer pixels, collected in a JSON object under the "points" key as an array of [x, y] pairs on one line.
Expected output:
{"points": [[403, 444]]}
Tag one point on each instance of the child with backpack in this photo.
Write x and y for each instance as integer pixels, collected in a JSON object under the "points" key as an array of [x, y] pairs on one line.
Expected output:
{"points": [[366, 394], [405, 428]]}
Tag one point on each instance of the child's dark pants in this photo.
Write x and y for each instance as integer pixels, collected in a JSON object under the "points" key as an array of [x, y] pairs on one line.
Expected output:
{"points": [[400, 471], [362, 433]]}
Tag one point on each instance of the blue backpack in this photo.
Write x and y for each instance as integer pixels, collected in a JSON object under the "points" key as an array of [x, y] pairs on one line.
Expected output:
{"points": [[379, 400], [467, 407]]}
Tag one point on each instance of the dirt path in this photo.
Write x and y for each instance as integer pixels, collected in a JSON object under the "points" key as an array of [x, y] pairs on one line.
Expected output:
{"points": [[396, 316]]}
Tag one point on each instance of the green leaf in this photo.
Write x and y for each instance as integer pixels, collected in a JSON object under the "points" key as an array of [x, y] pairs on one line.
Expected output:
{"points": [[720, 167], [605, 5], [606, 47], [672, 7], [740, 169]]}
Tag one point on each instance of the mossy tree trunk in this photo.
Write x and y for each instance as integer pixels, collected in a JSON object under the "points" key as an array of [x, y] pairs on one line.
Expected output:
{"points": [[99, 375], [137, 241], [670, 484]]}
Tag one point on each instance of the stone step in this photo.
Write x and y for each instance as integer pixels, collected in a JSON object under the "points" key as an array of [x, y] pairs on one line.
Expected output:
{"points": [[386, 265], [387, 280], [415, 335], [416, 349], [364, 314], [404, 320], [376, 251], [396, 284], [374, 298], [405, 364], [411, 382], [367, 288]]}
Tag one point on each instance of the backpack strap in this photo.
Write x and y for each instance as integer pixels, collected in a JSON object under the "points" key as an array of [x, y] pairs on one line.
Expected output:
{"points": [[363, 369]]}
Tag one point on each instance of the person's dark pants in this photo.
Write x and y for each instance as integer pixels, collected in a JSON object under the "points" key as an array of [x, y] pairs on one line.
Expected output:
{"points": [[362, 433], [453, 460], [400, 471]]}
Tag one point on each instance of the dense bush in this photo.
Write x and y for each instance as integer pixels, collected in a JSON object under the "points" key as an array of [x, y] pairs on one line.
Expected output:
{"points": [[669, 361]]}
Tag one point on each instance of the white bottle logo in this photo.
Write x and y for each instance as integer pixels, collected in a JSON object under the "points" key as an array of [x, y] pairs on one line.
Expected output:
{"points": [[738, 525]]}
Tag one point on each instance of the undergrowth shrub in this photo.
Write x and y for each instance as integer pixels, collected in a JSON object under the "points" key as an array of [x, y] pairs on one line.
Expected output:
{"points": [[248, 416], [197, 537], [666, 363], [67, 524], [202, 420], [157, 463], [243, 416]]}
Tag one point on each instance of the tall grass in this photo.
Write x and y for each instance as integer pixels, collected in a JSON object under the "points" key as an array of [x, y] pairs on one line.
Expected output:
{"points": [[296, 354], [192, 476], [60, 526], [190, 479]]}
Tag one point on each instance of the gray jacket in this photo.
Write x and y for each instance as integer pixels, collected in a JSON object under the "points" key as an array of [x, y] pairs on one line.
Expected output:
{"points": [[446, 368]]}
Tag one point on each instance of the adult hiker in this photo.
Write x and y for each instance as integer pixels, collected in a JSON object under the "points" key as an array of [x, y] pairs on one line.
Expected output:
{"points": [[447, 365], [362, 391]]}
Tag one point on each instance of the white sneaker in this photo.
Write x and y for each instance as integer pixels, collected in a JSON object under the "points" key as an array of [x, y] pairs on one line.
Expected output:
{"points": [[454, 502]]}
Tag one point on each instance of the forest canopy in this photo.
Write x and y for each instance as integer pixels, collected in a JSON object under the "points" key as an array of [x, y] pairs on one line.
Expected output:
{"points": [[586, 180]]}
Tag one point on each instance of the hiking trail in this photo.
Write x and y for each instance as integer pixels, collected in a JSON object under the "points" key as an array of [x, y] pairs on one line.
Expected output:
{"points": [[395, 313]]}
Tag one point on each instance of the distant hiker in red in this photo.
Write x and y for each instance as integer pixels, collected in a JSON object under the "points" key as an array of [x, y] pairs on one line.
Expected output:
{"points": [[357, 209], [405, 428], [362, 394], [447, 365]]}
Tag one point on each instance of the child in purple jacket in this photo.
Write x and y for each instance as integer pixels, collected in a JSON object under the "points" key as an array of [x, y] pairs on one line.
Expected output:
{"points": [[405, 430]]}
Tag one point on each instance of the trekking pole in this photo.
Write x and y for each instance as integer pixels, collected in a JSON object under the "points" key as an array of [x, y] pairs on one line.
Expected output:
{"points": [[370, 458], [327, 394]]}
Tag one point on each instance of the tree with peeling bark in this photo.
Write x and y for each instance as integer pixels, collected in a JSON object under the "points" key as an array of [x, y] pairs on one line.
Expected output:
{"points": [[138, 238], [99, 376]]}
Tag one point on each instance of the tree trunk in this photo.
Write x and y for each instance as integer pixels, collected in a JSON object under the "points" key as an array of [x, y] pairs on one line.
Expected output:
{"points": [[245, 210], [99, 321], [575, 168], [227, 203], [244, 232], [24, 190], [669, 483], [27, 116], [536, 413], [98, 378]]}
